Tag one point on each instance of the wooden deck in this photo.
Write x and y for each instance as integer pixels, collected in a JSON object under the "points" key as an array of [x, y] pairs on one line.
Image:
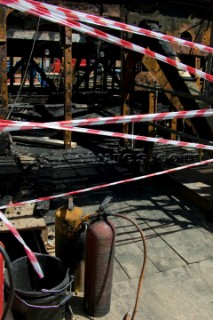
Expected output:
{"points": [[179, 273], [178, 279]]}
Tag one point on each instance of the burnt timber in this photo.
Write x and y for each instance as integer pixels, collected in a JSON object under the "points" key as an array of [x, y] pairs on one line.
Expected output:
{"points": [[102, 74], [193, 22], [104, 79], [107, 80]]}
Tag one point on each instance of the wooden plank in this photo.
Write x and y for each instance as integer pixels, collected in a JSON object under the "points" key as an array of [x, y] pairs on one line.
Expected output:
{"points": [[42, 140], [40, 35], [25, 224], [17, 212], [198, 192], [193, 244], [178, 226], [202, 189]]}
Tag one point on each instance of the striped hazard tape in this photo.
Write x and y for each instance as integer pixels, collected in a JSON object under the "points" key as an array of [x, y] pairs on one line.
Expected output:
{"points": [[7, 125], [28, 251], [106, 185], [116, 25], [53, 14]]}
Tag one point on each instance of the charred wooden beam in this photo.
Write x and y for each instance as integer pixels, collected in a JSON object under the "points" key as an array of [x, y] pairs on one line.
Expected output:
{"points": [[40, 35], [67, 82], [3, 63]]}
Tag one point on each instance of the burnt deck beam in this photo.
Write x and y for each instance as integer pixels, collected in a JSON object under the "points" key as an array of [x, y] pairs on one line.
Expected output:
{"points": [[3, 63], [67, 47]]}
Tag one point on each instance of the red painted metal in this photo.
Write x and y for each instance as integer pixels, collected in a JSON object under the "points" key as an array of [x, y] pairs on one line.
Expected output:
{"points": [[1, 284], [99, 260]]}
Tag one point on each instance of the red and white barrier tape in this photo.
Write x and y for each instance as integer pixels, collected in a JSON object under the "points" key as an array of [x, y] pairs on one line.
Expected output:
{"points": [[138, 118], [53, 15], [151, 175], [100, 21], [28, 251], [136, 137], [57, 126], [6, 125]]}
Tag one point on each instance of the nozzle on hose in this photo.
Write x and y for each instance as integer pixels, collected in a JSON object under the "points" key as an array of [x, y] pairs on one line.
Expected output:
{"points": [[128, 316], [104, 204]]}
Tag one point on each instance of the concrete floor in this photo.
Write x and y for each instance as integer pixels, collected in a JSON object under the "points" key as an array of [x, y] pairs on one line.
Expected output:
{"points": [[178, 280]]}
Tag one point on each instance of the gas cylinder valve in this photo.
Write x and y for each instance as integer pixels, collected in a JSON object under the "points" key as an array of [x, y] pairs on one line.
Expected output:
{"points": [[104, 205]]}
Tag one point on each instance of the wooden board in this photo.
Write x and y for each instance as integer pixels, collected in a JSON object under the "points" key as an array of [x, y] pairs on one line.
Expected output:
{"points": [[24, 224], [198, 192], [22, 218], [17, 212]]}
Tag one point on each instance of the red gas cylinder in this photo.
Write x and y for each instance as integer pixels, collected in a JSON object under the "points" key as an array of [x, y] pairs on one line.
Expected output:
{"points": [[99, 261], [1, 283]]}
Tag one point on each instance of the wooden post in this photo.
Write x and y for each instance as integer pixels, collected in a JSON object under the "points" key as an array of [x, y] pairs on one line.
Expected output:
{"points": [[125, 88], [127, 81], [198, 66], [174, 127], [3, 63], [151, 129], [67, 83], [152, 102]]}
